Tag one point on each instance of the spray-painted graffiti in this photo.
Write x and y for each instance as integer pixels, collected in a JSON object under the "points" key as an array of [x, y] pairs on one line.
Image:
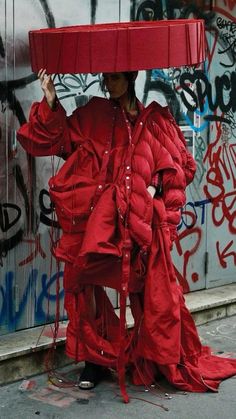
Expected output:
{"points": [[75, 85], [193, 213], [9, 101], [187, 255], [209, 93], [7, 221], [201, 94], [200, 150], [149, 10], [10, 216], [227, 35], [226, 253], [36, 249], [47, 209], [12, 307], [221, 181]]}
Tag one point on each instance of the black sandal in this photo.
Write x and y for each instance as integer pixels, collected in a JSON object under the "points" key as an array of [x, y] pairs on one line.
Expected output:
{"points": [[90, 376]]}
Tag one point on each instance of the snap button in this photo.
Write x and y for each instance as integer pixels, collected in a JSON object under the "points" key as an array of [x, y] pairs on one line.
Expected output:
{"points": [[99, 186]]}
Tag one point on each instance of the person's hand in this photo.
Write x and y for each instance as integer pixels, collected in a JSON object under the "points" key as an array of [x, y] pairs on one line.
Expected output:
{"points": [[47, 87]]}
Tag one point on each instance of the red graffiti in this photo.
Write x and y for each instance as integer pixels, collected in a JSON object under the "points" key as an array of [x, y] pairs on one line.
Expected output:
{"points": [[211, 47], [187, 254], [220, 177], [230, 4], [225, 209], [225, 254], [37, 250], [224, 12]]}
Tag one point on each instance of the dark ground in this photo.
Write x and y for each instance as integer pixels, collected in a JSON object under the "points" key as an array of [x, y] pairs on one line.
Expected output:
{"points": [[45, 401]]}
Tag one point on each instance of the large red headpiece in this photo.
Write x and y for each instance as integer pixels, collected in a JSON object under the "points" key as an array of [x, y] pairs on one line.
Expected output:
{"points": [[124, 46]]}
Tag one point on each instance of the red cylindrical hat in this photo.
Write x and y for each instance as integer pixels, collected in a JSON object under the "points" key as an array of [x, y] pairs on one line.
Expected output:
{"points": [[115, 47]]}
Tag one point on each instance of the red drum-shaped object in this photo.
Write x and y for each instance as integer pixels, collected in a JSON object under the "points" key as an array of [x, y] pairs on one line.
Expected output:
{"points": [[124, 46]]}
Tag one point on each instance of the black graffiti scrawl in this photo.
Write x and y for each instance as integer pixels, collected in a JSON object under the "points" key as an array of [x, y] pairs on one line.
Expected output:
{"points": [[9, 100]]}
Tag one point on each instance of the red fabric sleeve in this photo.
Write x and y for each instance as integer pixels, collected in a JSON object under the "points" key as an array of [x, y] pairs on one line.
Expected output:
{"points": [[47, 132]]}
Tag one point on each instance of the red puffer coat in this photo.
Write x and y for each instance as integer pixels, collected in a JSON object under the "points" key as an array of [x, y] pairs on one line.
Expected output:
{"points": [[102, 156], [116, 235]]}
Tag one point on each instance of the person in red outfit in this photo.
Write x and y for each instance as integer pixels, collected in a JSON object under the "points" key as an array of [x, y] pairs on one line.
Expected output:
{"points": [[118, 198]]}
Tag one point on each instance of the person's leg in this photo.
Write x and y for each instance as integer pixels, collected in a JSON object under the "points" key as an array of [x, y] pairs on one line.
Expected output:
{"points": [[91, 373], [77, 296], [90, 376]]}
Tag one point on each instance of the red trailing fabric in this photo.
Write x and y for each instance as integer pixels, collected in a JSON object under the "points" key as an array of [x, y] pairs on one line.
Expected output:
{"points": [[121, 362], [124, 46]]}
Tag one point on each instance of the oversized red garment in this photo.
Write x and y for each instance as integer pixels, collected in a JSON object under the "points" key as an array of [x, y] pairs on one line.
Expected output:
{"points": [[164, 339]]}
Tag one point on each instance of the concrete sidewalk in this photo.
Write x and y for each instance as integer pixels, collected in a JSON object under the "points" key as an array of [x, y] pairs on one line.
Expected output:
{"points": [[22, 353], [40, 397]]}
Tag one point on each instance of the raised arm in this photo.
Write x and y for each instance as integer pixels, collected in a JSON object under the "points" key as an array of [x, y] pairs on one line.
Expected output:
{"points": [[47, 131], [48, 88]]}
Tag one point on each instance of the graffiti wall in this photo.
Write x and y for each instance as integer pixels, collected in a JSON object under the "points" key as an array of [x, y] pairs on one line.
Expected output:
{"points": [[209, 94], [220, 158], [203, 101]]}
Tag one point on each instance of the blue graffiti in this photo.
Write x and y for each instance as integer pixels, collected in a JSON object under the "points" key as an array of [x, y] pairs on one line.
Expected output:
{"points": [[159, 74], [48, 296], [201, 114], [203, 126], [10, 318], [190, 213]]}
